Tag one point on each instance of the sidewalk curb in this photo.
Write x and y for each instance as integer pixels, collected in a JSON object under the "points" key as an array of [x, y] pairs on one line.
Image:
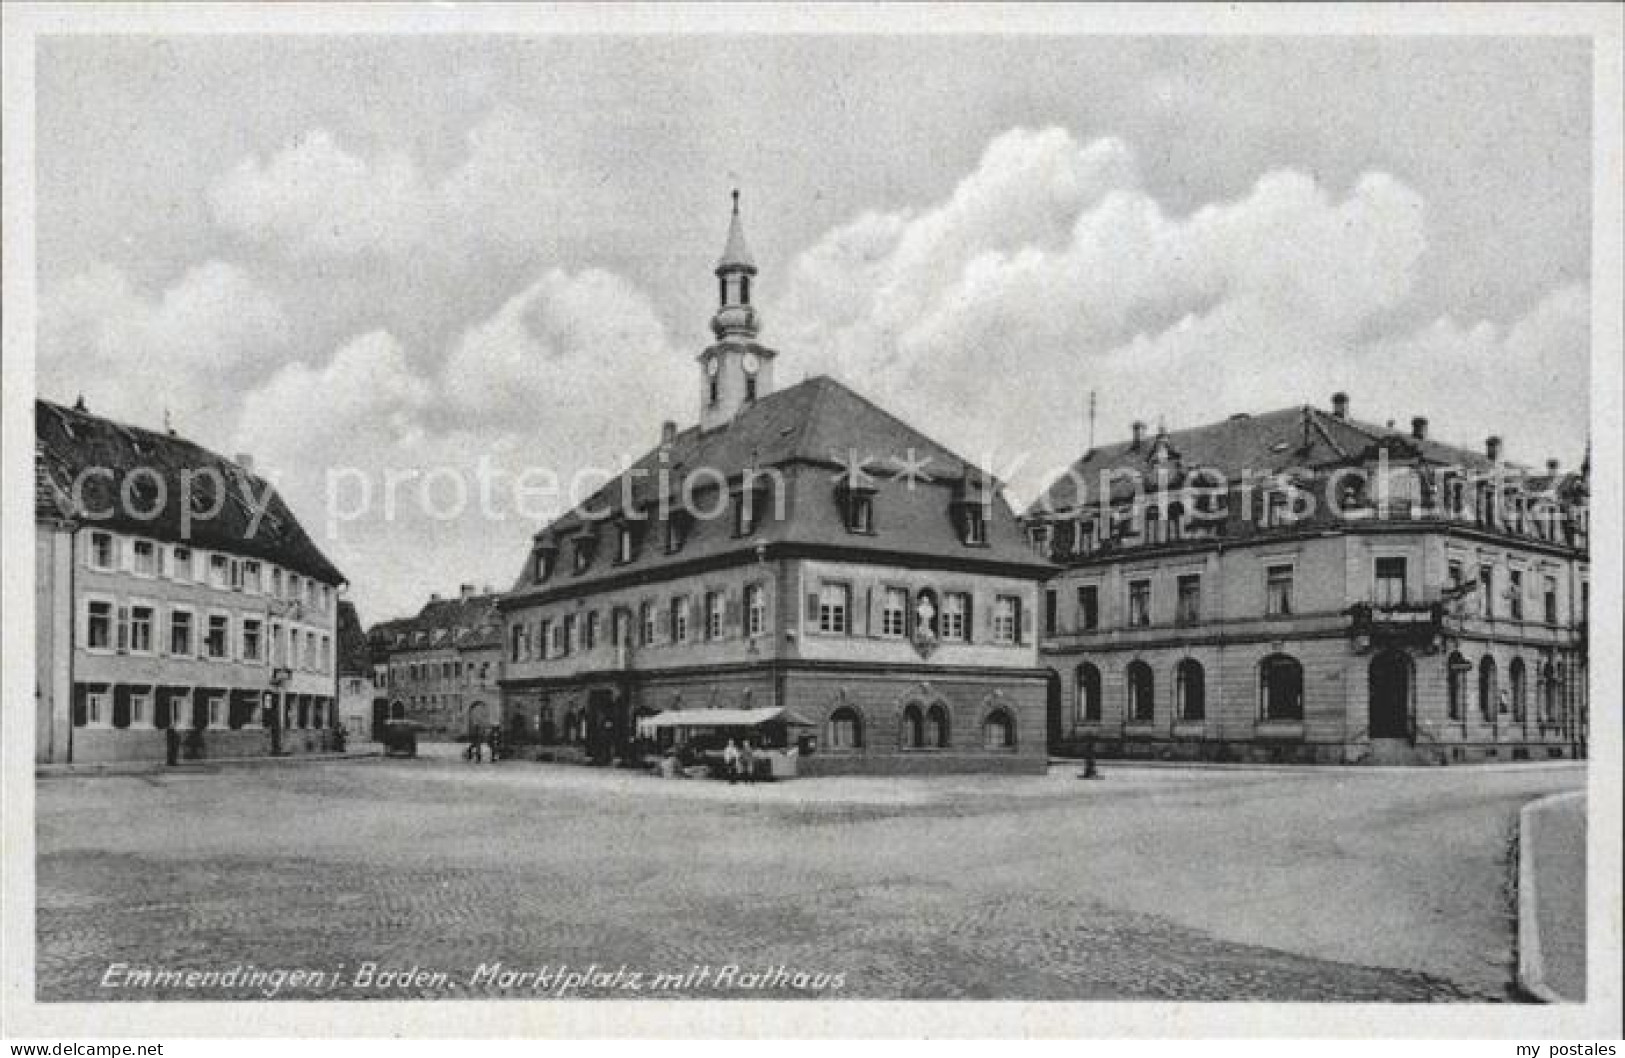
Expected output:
{"points": [[1531, 962], [116, 769]]}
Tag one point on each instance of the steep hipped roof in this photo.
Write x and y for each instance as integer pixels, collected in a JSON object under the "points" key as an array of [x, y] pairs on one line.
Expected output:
{"points": [[1299, 437], [100, 456], [464, 623], [355, 656], [809, 431]]}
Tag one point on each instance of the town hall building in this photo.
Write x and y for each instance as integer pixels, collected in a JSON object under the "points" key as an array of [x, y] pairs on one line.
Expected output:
{"points": [[798, 557]]}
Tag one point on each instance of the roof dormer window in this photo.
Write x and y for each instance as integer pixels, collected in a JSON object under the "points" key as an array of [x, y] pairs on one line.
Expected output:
{"points": [[857, 503], [542, 560]]}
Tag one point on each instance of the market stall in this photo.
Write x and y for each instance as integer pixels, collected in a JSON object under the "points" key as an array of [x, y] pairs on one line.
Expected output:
{"points": [[697, 737]]}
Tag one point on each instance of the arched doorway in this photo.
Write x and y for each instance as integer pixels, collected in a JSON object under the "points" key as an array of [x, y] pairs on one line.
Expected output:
{"points": [[1390, 692], [477, 719], [1057, 726]]}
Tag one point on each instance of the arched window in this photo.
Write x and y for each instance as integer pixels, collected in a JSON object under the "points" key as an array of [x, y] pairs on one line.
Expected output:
{"points": [[845, 729], [1280, 687], [999, 730], [1457, 672], [1551, 685], [1486, 688], [936, 727], [1518, 683], [1190, 690], [1142, 704], [913, 735], [1088, 694], [397, 710]]}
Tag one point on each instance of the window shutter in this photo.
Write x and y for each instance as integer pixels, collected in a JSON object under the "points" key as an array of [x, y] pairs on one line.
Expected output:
{"points": [[123, 640], [696, 617], [166, 567], [1024, 632], [987, 625], [970, 615], [730, 615], [812, 609], [123, 554], [876, 602]]}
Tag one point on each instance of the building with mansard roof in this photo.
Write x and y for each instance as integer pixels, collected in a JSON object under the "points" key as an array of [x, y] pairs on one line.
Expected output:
{"points": [[174, 590], [1303, 586], [798, 558]]}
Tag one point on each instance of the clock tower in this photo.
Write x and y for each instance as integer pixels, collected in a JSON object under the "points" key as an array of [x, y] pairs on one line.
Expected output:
{"points": [[737, 370]]}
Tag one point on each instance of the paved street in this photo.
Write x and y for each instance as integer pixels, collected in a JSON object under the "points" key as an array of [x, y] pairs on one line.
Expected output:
{"points": [[1153, 884], [1560, 870]]}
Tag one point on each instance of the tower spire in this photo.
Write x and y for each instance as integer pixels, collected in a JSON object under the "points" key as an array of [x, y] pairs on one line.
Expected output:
{"points": [[736, 371], [735, 317]]}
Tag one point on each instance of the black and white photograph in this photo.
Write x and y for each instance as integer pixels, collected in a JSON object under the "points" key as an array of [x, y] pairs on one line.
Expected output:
{"points": [[710, 520]]}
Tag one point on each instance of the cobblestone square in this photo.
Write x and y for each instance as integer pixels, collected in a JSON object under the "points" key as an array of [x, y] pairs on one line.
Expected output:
{"points": [[1354, 885]]}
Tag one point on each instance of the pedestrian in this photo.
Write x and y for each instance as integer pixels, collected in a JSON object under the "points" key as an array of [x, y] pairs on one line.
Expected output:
{"points": [[730, 761], [747, 761], [1089, 771], [172, 746], [494, 740], [473, 753]]}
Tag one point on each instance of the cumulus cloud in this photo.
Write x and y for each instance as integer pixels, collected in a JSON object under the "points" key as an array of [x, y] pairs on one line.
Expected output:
{"points": [[317, 198], [184, 349], [1050, 272], [417, 475]]}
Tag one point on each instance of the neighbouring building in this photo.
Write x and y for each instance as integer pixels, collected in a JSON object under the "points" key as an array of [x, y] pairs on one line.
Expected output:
{"points": [[174, 589], [798, 554], [362, 705], [1303, 586], [441, 667]]}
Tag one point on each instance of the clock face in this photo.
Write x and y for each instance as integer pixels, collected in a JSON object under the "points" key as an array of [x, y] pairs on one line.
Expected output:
{"points": [[712, 366], [752, 363]]}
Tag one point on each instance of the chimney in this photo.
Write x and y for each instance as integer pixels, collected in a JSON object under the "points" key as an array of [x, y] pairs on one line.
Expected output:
{"points": [[245, 461], [1492, 448], [434, 596], [465, 591], [1552, 465], [1419, 428], [1139, 436], [1340, 404], [668, 433]]}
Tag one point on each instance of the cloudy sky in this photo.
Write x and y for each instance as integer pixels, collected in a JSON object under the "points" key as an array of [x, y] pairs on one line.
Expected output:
{"points": [[414, 253]]}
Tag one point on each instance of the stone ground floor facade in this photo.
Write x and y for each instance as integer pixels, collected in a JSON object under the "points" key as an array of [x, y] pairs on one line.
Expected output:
{"points": [[1321, 700], [130, 722], [864, 720]]}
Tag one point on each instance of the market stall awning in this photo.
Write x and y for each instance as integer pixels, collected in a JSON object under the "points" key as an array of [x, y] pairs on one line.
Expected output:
{"points": [[723, 718]]}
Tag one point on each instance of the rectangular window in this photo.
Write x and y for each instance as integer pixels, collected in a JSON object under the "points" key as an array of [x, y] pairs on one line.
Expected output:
{"points": [[976, 525], [217, 710], [1052, 612], [145, 558], [1088, 607], [860, 513], [180, 563], [516, 637], [1190, 599], [253, 647], [324, 652], [623, 544], [569, 624], [955, 611], [1551, 600], [214, 644], [619, 623], [1486, 591], [755, 610], [1515, 593], [219, 571], [99, 625], [1457, 575], [894, 613], [1006, 610], [97, 712], [713, 615], [141, 629], [555, 637], [102, 552], [1390, 582], [251, 576], [180, 633], [646, 623], [140, 709], [1139, 603], [589, 631], [679, 619], [834, 604], [1278, 590]]}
